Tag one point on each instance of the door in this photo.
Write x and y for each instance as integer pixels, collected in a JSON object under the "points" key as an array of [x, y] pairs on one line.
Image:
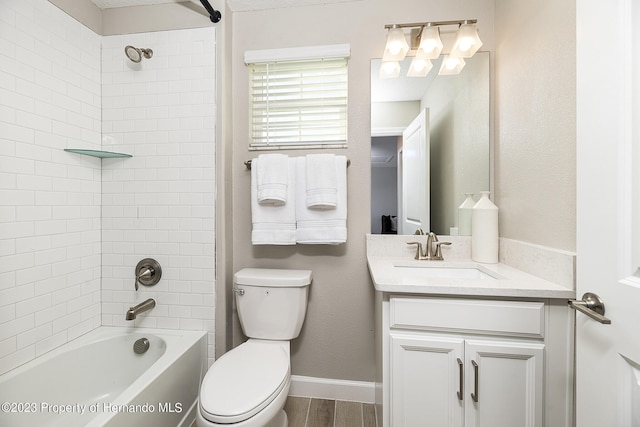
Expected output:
{"points": [[608, 211], [504, 384], [426, 381], [414, 210]]}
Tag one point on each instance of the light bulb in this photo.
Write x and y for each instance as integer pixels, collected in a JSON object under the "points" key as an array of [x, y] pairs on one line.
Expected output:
{"points": [[389, 70], [419, 67], [451, 65], [388, 67], [395, 48], [465, 44], [428, 46], [430, 43], [467, 41]]}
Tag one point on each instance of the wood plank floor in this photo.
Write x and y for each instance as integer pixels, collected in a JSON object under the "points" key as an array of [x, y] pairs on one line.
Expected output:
{"points": [[307, 412]]}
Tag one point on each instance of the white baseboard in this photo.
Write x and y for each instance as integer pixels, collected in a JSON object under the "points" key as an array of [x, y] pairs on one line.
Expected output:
{"points": [[324, 388]]}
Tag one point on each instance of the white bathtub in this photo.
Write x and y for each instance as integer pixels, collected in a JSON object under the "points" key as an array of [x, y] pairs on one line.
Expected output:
{"points": [[98, 380]]}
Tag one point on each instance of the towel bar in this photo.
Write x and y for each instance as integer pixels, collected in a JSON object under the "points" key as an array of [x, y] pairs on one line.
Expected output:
{"points": [[247, 163]]}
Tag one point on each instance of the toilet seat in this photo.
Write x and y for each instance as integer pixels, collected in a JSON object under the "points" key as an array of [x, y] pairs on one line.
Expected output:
{"points": [[244, 381]]}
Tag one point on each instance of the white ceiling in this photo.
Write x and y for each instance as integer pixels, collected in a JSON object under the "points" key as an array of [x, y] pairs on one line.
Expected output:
{"points": [[234, 5]]}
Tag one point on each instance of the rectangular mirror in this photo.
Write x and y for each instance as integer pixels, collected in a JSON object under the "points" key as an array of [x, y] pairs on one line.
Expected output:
{"points": [[456, 157]]}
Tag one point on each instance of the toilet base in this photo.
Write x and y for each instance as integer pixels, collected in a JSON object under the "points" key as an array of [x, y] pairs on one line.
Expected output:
{"points": [[280, 420]]}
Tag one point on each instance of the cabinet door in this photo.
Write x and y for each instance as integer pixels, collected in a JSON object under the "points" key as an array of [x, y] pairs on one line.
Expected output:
{"points": [[425, 381], [504, 384]]}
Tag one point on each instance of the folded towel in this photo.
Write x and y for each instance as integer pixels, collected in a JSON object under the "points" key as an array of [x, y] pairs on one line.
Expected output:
{"points": [[272, 178], [322, 181], [321, 226], [274, 224]]}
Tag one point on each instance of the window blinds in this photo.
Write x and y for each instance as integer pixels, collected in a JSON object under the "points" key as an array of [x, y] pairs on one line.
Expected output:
{"points": [[298, 103]]}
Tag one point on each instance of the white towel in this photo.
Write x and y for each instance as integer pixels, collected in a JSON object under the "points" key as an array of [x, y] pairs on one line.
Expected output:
{"points": [[272, 178], [274, 225], [322, 181], [321, 226]]}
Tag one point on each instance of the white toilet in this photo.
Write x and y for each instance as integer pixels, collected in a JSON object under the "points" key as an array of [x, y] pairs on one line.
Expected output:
{"points": [[248, 386]]}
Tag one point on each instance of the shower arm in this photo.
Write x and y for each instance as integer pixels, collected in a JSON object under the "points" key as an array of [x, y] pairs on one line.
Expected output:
{"points": [[215, 15]]}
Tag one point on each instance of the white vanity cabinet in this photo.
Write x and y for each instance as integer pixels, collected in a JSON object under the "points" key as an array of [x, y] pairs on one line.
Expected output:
{"points": [[475, 362]]}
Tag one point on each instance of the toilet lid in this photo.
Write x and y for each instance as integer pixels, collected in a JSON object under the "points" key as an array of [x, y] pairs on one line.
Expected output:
{"points": [[243, 381]]}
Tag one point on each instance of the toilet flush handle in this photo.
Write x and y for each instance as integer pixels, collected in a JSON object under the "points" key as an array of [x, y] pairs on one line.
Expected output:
{"points": [[238, 291]]}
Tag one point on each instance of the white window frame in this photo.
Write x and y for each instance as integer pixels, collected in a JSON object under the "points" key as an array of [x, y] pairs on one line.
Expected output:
{"points": [[326, 109]]}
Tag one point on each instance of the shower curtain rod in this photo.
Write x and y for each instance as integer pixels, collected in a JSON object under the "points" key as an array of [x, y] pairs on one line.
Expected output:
{"points": [[215, 15]]}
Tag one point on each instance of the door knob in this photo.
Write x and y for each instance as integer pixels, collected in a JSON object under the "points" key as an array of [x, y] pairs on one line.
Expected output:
{"points": [[591, 305]]}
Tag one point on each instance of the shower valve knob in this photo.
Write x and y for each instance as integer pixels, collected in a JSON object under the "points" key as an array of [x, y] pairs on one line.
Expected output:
{"points": [[148, 272]]}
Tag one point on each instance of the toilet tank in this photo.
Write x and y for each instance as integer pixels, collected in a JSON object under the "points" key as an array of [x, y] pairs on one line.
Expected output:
{"points": [[271, 303]]}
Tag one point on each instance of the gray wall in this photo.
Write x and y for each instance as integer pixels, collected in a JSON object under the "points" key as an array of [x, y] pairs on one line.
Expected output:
{"points": [[534, 129], [535, 94], [337, 339]]}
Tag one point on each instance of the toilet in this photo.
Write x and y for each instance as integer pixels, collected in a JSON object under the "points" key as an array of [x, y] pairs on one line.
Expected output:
{"points": [[248, 386]]}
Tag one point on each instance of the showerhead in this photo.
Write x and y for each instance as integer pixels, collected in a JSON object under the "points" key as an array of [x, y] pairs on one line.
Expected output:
{"points": [[135, 54]]}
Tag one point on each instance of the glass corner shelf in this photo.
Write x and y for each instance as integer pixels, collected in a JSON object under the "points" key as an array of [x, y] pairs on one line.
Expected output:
{"points": [[97, 153]]}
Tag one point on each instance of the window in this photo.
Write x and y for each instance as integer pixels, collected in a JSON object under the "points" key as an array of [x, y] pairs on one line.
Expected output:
{"points": [[298, 97]]}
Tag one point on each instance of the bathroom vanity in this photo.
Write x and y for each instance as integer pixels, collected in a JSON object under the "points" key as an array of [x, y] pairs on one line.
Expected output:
{"points": [[468, 344]]}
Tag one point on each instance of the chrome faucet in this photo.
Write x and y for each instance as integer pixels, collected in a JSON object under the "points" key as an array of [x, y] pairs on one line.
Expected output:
{"points": [[430, 253], [146, 305]]}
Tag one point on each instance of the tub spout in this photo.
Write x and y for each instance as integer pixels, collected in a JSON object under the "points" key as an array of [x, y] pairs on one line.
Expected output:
{"points": [[146, 305]]}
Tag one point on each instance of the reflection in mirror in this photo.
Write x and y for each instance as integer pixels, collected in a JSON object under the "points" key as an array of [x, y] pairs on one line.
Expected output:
{"points": [[457, 152]]}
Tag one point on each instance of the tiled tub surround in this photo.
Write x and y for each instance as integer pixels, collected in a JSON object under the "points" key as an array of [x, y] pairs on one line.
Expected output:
{"points": [[50, 200], [525, 270], [160, 202], [73, 227]]}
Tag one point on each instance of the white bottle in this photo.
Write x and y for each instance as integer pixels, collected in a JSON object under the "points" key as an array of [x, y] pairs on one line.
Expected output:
{"points": [[465, 211], [484, 230]]}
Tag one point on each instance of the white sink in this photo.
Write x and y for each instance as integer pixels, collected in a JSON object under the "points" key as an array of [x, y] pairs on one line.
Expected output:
{"points": [[473, 272]]}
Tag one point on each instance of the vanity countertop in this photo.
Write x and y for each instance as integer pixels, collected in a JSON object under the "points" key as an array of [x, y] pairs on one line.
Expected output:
{"points": [[388, 275]]}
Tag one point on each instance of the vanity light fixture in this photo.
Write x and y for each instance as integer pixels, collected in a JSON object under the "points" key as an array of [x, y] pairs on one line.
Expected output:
{"points": [[425, 42], [397, 47], [451, 65], [467, 41], [419, 67], [389, 69], [430, 43]]}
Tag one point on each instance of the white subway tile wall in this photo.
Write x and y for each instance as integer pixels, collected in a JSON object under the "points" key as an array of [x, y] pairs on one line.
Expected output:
{"points": [[160, 203], [66, 220], [50, 247]]}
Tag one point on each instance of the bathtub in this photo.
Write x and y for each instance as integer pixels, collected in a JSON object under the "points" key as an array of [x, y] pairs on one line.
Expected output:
{"points": [[98, 380]]}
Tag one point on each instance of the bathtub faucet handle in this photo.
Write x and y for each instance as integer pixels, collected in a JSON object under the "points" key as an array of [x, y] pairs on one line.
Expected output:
{"points": [[148, 273]]}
